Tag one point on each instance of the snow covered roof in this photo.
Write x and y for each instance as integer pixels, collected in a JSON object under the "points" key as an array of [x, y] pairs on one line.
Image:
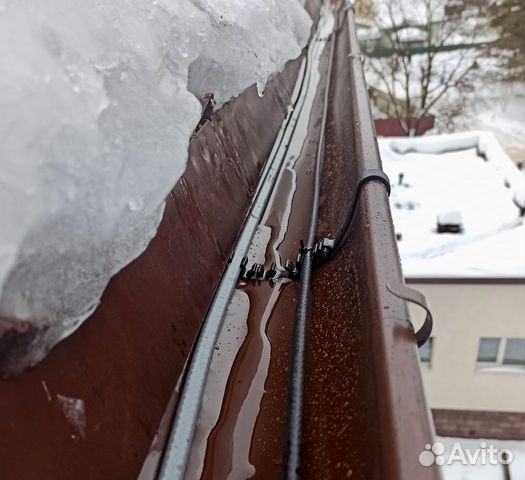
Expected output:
{"points": [[468, 173]]}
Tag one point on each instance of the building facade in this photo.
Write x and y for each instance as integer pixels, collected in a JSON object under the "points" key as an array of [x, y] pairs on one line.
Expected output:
{"points": [[473, 368]]}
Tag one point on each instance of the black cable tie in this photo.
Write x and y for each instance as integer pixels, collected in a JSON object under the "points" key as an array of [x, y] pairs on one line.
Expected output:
{"points": [[322, 250], [244, 262], [374, 174]]}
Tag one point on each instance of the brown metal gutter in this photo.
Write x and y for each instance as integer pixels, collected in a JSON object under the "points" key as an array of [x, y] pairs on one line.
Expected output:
{"points": [[365, 415]]}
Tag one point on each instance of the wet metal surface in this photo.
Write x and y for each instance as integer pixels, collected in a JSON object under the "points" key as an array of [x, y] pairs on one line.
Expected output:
{"points": [[359, 422], [223, 445], [245, 439], [177, 450]]}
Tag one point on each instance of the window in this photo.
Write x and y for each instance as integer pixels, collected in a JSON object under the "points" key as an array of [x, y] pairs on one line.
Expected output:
{"points": [[500, 352], [488, 350], [514, 352], [425, 352]]}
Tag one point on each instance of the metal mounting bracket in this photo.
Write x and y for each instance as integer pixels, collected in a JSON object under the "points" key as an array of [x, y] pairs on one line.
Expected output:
{"points": [[410, 295]]}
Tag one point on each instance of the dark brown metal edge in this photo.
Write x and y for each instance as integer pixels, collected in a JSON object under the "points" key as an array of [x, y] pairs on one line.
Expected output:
{"points": [[404, 418]]}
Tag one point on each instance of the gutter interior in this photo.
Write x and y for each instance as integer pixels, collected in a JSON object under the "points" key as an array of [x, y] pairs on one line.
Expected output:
{"points": [[351, 426]]}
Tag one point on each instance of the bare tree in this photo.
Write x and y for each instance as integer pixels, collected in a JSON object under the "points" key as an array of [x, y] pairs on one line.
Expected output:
{"points": [[414, 61]]}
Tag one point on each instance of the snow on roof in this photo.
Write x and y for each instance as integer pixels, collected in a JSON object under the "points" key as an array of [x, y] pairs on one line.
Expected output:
{"points": [[412, 34], [468, 173], [368, 33]]}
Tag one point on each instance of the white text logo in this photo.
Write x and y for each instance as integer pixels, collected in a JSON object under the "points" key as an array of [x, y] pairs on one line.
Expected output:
{"points": [[484, 455]]}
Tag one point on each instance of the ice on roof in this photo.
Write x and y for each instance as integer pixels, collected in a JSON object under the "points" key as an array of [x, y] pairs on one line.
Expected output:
{"points": [[467, 173], [98, 102]]}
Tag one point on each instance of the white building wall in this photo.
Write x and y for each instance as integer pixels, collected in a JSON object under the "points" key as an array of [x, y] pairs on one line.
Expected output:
{"points": [[462, 314]]}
